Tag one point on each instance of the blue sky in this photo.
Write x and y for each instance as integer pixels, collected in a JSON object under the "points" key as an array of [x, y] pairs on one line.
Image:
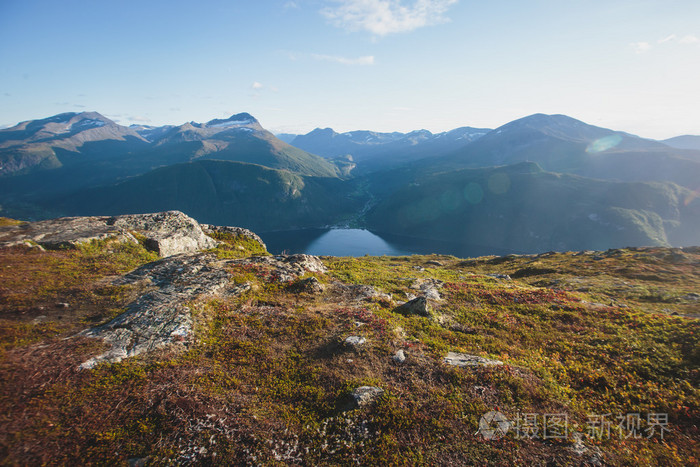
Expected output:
{"points": [[386, 65]]}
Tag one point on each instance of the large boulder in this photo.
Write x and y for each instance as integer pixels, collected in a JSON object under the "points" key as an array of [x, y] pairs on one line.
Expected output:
{"points": [[167, 233]]}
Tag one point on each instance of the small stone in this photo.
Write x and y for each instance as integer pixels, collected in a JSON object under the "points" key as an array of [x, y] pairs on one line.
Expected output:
{"points": [[399, 356], [355, 341], [504, 277], [464, 360], [63, 305], [366, 395]]}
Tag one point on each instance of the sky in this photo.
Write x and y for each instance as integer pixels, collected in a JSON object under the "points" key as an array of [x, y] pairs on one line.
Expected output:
{"points": [[382, 65]]}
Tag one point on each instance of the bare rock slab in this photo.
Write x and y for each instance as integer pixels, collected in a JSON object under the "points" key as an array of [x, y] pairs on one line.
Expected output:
{"points": [[466, 360], [366, 395], [160, 316]]}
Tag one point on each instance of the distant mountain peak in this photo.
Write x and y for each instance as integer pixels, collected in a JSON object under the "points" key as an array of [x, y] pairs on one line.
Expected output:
{"points": [[241, 119]]}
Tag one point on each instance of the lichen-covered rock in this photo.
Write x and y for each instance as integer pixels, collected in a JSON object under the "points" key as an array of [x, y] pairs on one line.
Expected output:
{"points": [[160, 316], [65, 232], [167, 233], [287, 268], [359, 292], [464, 360], [355, 342], [235, 231], [428, 288], [366, 395]]}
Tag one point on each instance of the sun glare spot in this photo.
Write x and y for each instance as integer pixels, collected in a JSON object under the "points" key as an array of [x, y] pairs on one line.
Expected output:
{"points": [[603, 144], [692, 196], [474, 193]]}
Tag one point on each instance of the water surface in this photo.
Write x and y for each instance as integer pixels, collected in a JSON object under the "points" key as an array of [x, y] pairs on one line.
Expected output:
{"points": [[360, 242]]}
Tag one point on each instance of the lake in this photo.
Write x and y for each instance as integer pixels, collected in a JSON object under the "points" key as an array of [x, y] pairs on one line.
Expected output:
{"points": [[360, 242]]}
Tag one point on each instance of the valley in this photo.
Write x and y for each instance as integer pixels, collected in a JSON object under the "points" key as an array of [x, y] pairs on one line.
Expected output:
{"points": [[540, 183]]}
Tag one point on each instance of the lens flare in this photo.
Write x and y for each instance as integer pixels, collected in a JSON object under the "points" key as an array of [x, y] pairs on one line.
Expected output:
{"points": [[603, 144], [692, 196], [473, 193]]}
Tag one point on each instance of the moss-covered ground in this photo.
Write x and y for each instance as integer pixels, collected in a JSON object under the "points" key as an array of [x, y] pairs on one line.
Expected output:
{"points": [[268, 381]]}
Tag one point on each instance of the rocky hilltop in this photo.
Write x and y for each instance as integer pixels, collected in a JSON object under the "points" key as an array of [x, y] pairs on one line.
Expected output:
{"points": [[150, 339]]}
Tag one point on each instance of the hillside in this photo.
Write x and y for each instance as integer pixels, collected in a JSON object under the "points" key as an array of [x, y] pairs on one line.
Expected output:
{"points": [[563, 144], [56, 141], [42, 158], [684, 142], [222, 192], [584, 358], [523, 208]]}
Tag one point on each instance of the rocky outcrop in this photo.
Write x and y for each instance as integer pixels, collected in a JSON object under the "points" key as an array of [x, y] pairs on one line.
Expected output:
{"points": [[234, 231], [167, 233], [428, 288], [160, 316], [287, 268]]}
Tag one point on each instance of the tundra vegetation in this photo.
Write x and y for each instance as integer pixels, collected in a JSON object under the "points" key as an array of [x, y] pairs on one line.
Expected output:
{"points": [[268, 379]]}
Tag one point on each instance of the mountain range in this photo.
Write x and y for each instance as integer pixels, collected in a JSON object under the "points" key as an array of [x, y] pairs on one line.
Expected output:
{"points": [[538, 183]]}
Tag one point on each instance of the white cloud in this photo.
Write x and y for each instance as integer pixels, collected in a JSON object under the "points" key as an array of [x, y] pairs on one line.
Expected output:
{"points": [[382, 17], [689, 39], [675, 38], [291, 5], [641, 47], [365, 60], [257, 85]]}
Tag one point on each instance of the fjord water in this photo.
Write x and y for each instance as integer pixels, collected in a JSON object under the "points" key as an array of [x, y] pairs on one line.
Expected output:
{"points": [[360, 242]]}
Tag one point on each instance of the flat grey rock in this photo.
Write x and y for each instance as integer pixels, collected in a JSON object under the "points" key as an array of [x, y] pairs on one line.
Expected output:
{"points": [[464, 360], [160, 316]]}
